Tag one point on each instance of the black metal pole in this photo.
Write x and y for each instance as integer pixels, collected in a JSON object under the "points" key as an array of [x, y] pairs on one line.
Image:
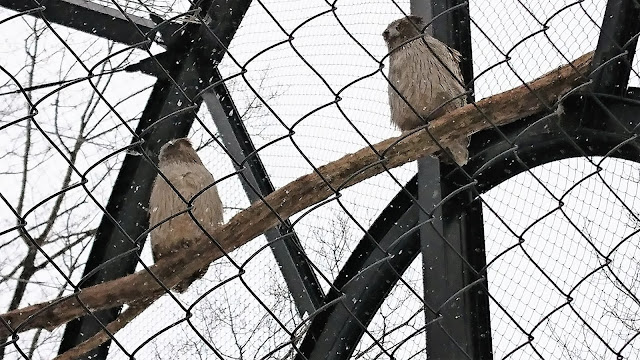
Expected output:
{"points": [[618, 34], [453, 244], [612, 60]]}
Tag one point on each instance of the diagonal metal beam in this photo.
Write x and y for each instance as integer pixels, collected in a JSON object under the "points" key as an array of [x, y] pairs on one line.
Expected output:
{"points": [[128, 203], [287, 250], [88, 17], [130, 197], [297, 272]]}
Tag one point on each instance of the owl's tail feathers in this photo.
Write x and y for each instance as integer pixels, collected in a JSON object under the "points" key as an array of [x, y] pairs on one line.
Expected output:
{"points": [[457, 152]]}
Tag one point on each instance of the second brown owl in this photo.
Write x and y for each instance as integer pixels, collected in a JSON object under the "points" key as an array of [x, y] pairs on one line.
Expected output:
{"points": [[427, 74], [181, 165]]}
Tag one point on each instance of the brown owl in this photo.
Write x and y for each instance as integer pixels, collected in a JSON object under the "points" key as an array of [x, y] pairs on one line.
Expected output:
{"points": [[423, 79], [181, 165]]}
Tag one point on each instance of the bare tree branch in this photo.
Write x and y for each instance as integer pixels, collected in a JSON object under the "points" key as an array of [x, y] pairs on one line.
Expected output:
{"points": [[302, 193], [100, 338]]}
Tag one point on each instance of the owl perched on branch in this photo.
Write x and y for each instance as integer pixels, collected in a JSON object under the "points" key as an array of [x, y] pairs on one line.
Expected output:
{"points": [[427, 74], [181, 165]]}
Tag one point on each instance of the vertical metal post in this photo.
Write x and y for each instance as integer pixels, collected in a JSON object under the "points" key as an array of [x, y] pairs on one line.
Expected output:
{"points": [[618, 34], [440, 267], [460, 329], [620, 25], [452, 27], [464, 229]]}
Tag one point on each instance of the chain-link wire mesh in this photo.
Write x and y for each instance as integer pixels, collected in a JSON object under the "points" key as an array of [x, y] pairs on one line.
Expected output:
{"points": [[307, 82]]}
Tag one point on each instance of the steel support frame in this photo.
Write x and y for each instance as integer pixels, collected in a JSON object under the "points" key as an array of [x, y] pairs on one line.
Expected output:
{"points": [[300, 278], [132, 187], [453, 245], [452, 27], [362, 257], [486, 150], [135, 179], [560, 138], [618, 34], [111, 24], [334, 333]]}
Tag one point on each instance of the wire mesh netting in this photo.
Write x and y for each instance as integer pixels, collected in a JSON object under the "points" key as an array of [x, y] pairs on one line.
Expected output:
{"points": [[309, 82]]}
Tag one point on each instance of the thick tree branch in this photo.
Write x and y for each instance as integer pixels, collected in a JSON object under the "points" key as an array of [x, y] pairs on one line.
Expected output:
{"points": [[302, 193]]}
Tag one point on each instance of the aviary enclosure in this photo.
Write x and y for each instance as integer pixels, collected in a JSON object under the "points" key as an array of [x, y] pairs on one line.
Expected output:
{"points": [[342, 237]]}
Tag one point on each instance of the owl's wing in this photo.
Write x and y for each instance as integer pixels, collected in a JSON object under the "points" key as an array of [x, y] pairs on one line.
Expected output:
{"points": [[187, 180], [160, 202], [457, 57], [208, 202], [192, 181]]}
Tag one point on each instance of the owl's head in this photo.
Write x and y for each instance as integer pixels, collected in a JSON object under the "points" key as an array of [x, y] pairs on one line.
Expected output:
{"points": [[178, 150], [402, 30]]}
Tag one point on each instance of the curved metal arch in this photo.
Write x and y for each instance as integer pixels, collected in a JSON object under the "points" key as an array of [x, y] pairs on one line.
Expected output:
{"points": [[538, 142], [335, 332]]}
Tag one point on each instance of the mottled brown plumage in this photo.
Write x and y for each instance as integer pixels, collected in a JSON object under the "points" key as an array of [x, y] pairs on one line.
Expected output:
{"points": [[427, 74], [181, 165]]}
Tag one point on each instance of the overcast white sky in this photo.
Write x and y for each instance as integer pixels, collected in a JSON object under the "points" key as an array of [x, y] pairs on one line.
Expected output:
{"points": [[293, 90]]}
